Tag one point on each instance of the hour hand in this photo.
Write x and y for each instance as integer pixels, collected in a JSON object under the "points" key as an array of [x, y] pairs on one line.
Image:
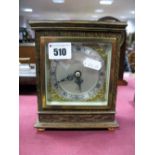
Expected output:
{"points": [[68, 78]]}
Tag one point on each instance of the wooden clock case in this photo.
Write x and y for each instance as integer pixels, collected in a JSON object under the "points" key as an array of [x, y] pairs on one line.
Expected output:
{"points": [[62, 117]]}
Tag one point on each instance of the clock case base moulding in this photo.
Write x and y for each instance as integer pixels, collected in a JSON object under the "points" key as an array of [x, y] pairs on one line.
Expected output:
{"points": [[76, 125]]}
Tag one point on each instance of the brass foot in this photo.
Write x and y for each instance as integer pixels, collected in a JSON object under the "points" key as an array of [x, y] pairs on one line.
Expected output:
{"points": [[40, 129], [111, 129]]}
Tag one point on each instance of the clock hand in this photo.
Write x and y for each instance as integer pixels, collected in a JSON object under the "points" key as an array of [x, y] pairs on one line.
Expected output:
{"points": [[68, 78], [76, 75], [78, 79]]}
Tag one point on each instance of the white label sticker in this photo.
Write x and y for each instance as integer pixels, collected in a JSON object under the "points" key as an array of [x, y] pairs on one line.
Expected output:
{"points": [[61, 50], [93, 64]]}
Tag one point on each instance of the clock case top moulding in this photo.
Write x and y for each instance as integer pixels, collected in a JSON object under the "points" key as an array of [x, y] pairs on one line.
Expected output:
{"points": [[78, 117]]}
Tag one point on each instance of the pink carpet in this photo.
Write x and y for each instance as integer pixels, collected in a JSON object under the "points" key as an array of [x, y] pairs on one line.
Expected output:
{"points": [[87, 142]]}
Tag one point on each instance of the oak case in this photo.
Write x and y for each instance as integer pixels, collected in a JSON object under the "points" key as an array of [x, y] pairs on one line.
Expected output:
{"points": [[77, 116]]}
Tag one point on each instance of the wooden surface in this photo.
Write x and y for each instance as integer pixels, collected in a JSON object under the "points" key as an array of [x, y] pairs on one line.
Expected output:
{"points": [[27, 56], [27, 81], [27, 51]]}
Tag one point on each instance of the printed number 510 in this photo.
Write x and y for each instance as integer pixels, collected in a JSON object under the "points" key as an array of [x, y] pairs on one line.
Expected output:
{"points": [[60, 51]]}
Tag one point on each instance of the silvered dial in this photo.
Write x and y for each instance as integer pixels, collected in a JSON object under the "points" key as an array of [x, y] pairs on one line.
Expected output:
{"points": [[78, 78]]}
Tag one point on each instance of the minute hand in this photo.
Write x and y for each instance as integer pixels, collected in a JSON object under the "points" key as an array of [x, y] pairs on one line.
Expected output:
{"points": [[79, 81]]}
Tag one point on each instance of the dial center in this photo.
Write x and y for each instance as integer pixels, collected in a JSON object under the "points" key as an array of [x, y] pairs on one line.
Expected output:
{"points": [[77, 74]]}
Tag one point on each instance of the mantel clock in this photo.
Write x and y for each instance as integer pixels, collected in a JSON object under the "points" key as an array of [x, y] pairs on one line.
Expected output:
{"points": [[77, 72]]}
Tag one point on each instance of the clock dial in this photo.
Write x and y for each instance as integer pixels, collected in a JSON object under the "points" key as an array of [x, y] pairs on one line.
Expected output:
{"points": [[79, 78]]}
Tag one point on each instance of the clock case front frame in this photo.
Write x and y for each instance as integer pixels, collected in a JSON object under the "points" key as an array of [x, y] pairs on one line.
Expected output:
{"points": [[44, 41], [77, 116]]}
